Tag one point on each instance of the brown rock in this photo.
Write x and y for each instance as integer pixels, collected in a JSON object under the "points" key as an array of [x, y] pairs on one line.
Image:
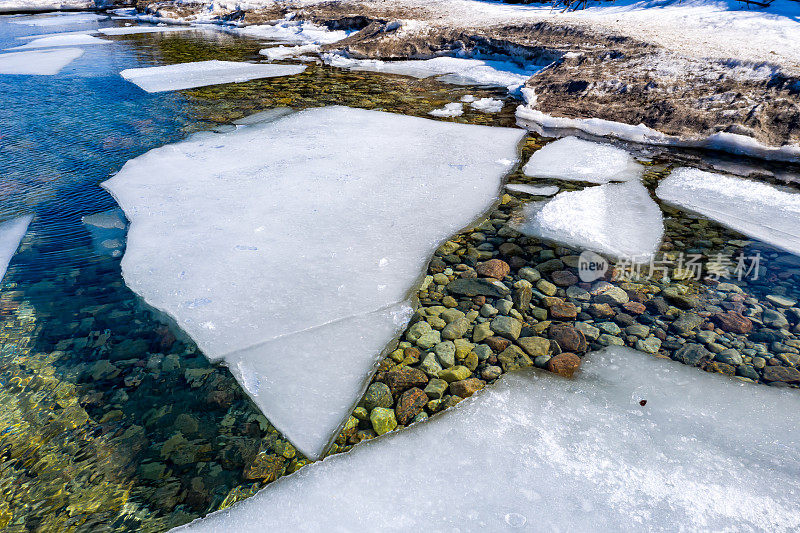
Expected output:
{"points": [[564, 364], [564, 311], [410, 404], [785, 374], [497, 344], [513, 358], [720, 368], [733, 322], [466, 387], [493, 268], [563, 278], [479, 300], [403, 378], [568, 338], [509, 249], [634, 308], [601, 311]]}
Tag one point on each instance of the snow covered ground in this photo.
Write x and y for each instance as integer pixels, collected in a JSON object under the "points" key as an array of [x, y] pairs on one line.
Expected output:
{"points": [[298, 240], [538, 452]]}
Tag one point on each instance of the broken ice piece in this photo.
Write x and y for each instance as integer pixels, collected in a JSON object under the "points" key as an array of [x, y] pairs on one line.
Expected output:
{"points": [[11, 234], [574, 159], [39, 62]]}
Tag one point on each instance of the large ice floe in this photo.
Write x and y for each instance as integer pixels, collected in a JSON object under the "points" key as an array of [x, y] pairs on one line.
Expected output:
{"points": [[758, 210], [133, 30], [55, 41], [542, 453], [618, 219], [288, 249], [203, 73], [65, 19], [575, 159], [294, 32], [11, 234], [455, 70], [39, 62]]}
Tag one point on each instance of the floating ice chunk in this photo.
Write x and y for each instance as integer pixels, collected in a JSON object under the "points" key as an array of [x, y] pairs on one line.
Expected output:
{"points": [[11, 234], [294, 32], [286, 226], [758, 210], [536, 190], [619, 219], [455, 70], [54, 41], [571, 158], [203, 73], [285, 52], [108, 231], [62, 33], [60, 20], [133, 30], [704, 454], [487, 105], [40, 62], [455, 109]]}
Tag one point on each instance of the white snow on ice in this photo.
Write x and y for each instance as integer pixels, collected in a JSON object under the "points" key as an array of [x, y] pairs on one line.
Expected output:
{"points": [[574, 159], [541, 453], [203, 73], [294, 32], [133, 30], [454, 109], [455, 70], [285, 52], [39, 62], [756, 209], [619, 219], [537, 190], [66, 19], [487, 105], [266, 242], [58, 34], [56, 41], [11, 234]]}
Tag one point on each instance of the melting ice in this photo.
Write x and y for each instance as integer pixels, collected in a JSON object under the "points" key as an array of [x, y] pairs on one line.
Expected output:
{"points": [[39, 62], [269, 244], [53, 41], [11, 234], [571, 158]]}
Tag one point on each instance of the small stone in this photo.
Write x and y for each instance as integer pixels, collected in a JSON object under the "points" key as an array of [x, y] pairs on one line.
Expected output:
{"points": [[610, 340], [477, 287], [692, 354], [483, 352], [601, 310], [783, 374], [687, 322], [488, 311], [634, 308], [733, 322], [504, 306], [513, 358], [534, 346], [564, 278], [498, 344], [491, 372], [383, 420], [429, 340], [781, 301], [612, 295], [471, 361], [451, 315], [449, 301], [530, 274], [589, 331], [466, 387], [463, 348], [546, 288], [436, 388], [563, 311], [522, 297], [774, 319], [446, 353], [729, 356], [430, 365], [410, 404], [104, 369], [493, 268], [564, 364], [706, 337], [361, 413], [609, 327], [404, 378], [378, 395], [569, 339], [648, 345], [638, 330], [481, 332], [456, 373], [507, 327], [441, 279], [576, 293]]}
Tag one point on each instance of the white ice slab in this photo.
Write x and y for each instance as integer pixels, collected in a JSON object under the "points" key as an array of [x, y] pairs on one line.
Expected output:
{"points": [[287, 226], [11, 234], [487, 105], [285, 52], [619, 219], [39, 62], [66, 19], [57, 34], [758, 210], [455, 70], [540, 190], [454, 109], [294, 32], [108, 231], [203, 73], [55, 41], [133, 30], [571, 158], [537, 452]]}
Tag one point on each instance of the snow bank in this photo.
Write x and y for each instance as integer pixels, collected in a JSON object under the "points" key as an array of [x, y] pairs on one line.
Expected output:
{"points": [[40, 62], [455, 70], [133, 30], [11, 234], [619, 219], [540, 190], [203, 73], [66, 19], [55, 41], [538, 452], [290, 31], [574, 159], [758, 210], [266, 242]]}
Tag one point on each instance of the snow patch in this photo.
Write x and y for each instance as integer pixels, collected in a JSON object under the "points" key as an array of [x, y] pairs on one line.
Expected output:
{"points": [[40, 62], [11, 234], [455, 109], [285, 52], [756, 209], [250, 237], [203, 73], [294, 32], [487, 105], [574, 159]]}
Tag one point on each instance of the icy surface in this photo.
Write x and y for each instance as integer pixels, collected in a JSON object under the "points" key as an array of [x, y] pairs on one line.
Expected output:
{"points": [[487, 105], [455, 70], [541, 453], [284, 52], [571, 158], [55, 41], [67, 19], [455, 109], [132, 30], [11, 234], [541, 190], [294, 32], [108, 231], [286, 226], [756, 209], [40, 62], [619, 219], [202, 73]]}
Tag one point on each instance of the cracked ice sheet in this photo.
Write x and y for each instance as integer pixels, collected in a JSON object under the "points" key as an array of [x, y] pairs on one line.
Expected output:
{"points": [[203, 73], [755, 209], [39, 62], [455, 70], [574, 159], [286, 227], [11, 234], [618, 219], [706, 453], [55, 41]]}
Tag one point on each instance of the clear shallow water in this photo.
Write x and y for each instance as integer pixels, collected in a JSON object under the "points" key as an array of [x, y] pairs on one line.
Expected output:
{"points": [[108, 420]]}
